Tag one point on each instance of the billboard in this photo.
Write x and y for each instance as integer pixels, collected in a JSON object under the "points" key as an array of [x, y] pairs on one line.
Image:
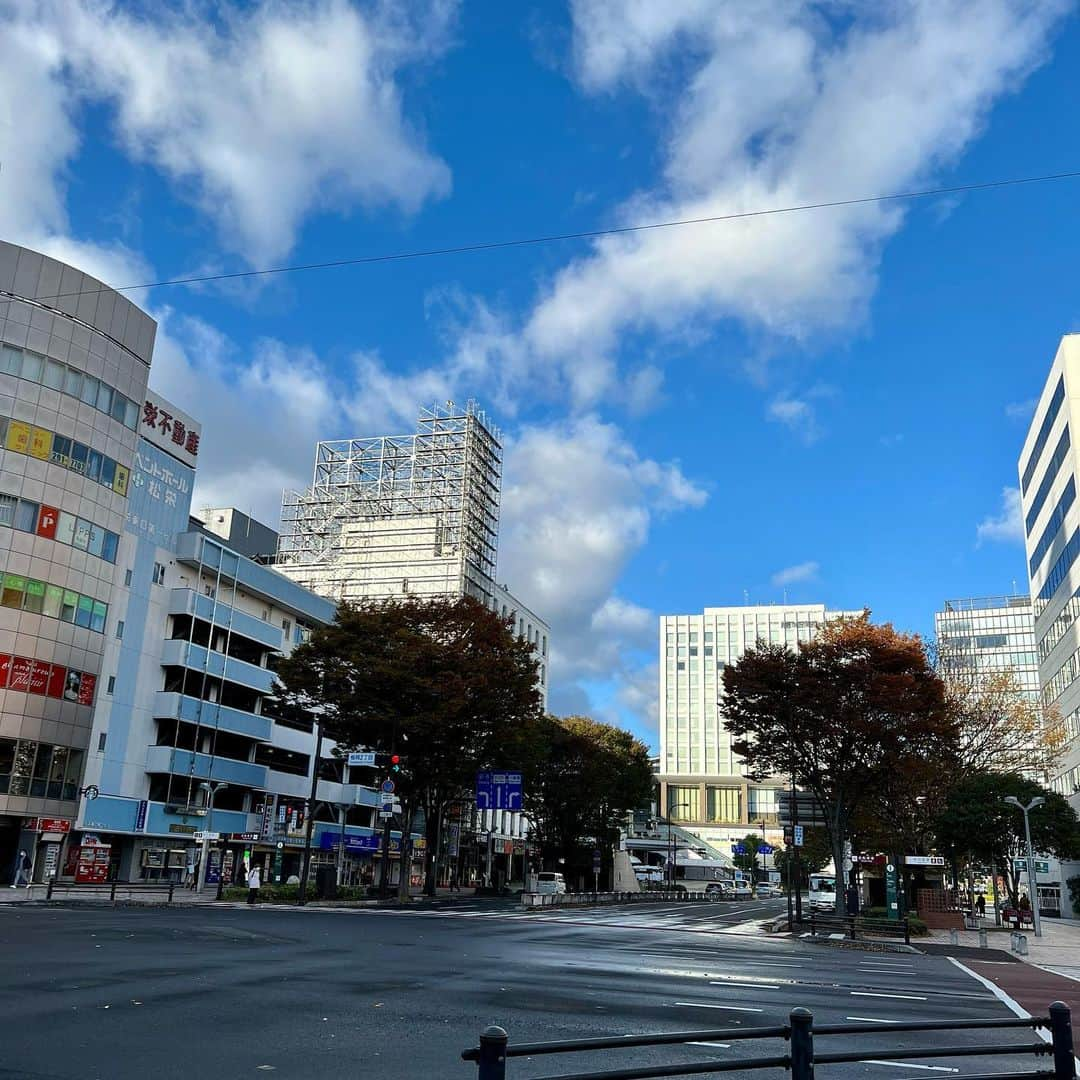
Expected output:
{"points": [[159, 499], [170, 429]]}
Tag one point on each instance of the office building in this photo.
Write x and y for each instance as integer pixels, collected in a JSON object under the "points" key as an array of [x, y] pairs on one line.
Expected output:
{"points": [[1048, 469], [74, 364], [390, 516], [703, 785]]}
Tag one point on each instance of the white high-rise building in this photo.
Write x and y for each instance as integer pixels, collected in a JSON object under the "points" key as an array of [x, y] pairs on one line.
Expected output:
{"points": [[703, 785], [1048, 469]]}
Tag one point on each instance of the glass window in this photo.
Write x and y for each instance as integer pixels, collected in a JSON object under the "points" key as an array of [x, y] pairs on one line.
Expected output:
{"points": [[119, 405], [82, 534], [99, 616], [7, 763], [79, 455], [73, 773], [61, 450], [31, 366], [41, 770], [131, 414], [56, 773], [73, 382], [108, 471], [26, 516], [89, 390], [67, 609], [55, 373], [65, 527], [97, 538], [14, 588], [109, 546], [7, 509], [93, 465], [35, 596], [84, 612], [10, 360], [723, 804], [684, 803], [22, 767], [104, 397], [54, 596]]}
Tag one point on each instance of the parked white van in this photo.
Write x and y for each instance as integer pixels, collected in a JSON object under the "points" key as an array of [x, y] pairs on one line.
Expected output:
{"points": [[548, 881]]}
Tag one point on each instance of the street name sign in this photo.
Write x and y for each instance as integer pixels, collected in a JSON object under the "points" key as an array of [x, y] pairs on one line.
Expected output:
{"points": [[206, 835], [924, 860], [362, 757]]}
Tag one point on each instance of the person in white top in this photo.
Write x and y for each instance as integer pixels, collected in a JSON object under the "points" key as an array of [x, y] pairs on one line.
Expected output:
{"points": [[254, 880]]}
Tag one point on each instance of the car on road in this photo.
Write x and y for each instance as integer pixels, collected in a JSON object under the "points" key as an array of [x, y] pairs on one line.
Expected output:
{"points": [[720, 890], [742, 890], [769, 890], [549, 881]]}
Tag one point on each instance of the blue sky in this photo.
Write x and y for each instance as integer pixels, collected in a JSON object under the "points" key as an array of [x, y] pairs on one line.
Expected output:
{"points": [[835, 398]]}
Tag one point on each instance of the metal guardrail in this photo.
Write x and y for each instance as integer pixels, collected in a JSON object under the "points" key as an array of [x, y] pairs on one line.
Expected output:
{"points": [[857, 927], [800, 1055], [545, 900], [109, 889]]}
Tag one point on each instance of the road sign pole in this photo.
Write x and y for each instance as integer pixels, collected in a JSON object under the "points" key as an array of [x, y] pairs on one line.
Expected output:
{"points": [[384, 880]]}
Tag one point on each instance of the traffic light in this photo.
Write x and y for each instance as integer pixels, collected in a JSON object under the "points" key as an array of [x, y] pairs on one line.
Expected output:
{"points": [[395, 763]]}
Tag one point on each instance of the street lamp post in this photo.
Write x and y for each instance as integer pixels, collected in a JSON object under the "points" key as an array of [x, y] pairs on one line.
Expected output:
{"points": [[211, 791], [1033, 887]]}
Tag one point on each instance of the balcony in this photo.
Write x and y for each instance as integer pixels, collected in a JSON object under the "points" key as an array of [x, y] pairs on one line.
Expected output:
{"points": [[196, 658], [170, 706], [189, 602], [167, 759]]}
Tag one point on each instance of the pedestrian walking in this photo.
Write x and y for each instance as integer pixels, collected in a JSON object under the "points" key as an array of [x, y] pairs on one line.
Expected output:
{"points": [[254, 880], [22, 870], [980, 906]]}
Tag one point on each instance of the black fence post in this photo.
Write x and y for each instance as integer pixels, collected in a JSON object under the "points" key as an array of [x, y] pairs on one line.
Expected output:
{"points": [[851, 924], [492, 1058], [802, 1044], [907, 930], [49, 888], [1061, 1033], [171, 887], [112, 890], [813, 930]]}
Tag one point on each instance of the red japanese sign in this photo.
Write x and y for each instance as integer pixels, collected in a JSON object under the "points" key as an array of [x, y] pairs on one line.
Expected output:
{"points": [[46, 525], [39, 676], [5, 668], [93, 865], [53, 824], [86, 689], [21, 669], [56, 681]]}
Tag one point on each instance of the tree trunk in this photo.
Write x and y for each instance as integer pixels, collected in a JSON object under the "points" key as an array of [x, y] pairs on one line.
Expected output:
{"points": [[433, 834], [405, 857]]}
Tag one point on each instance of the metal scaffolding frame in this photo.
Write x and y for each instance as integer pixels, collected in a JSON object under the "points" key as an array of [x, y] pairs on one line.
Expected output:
{"points": [[399, 514]]}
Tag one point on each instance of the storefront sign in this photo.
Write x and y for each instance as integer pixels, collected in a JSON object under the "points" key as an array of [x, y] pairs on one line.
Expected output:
{"points": [[46, 525], [93, 865], [357, 845], [924, 860], [187, 830], [247, 836], [140, 815], [49, 824], [30, 676], [170, 429]]}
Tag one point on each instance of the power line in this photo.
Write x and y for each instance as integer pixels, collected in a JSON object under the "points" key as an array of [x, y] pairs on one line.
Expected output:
{"points": [[588, 234]]}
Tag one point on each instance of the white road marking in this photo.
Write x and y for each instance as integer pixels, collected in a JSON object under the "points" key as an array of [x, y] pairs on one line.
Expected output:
{"points": [[909, 1065], [872, 1019], [742, 984], [898, 997], [705, 1005], [723, 1046]]}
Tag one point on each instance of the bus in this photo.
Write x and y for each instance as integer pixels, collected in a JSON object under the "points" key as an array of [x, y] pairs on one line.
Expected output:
{"points": [[709, 876], [823, 892]]}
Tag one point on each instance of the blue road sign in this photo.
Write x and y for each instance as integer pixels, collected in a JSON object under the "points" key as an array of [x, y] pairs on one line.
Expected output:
{"points": [[498, 791], [765, 849], [738, 849], [387, 787]]}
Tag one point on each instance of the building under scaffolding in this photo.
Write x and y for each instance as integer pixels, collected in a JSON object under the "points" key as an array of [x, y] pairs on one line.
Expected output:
{"points": [[397, 515]]}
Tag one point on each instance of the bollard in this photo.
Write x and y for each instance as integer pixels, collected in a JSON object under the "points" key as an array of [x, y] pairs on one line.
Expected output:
{"points": [[1019, 944], [492, 1059], [802, 1044], [954, 937], [1062, 1038], [983, 940]]}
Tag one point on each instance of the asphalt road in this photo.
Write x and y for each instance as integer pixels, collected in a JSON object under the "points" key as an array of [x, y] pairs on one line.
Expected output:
{"points": [[202, 992]]}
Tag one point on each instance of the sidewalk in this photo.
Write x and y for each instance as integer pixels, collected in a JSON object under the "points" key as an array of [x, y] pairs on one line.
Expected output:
{"points": [[1058, 950]]}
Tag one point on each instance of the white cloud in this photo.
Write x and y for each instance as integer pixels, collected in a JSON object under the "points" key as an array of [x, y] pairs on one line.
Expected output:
{"points": [[1021, 410], [798, 414], [764, 106], [792, 575], [1008, 525], [261, 115]]}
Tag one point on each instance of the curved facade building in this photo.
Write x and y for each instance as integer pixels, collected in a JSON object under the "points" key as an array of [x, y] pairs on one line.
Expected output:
{"points": [[74, 364]]}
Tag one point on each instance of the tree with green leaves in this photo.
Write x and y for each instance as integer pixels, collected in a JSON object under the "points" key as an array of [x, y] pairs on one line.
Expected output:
{"points": [[445, 683], [977, 825], [814, 855], [586, 777], [747, 860], [840, 716]]}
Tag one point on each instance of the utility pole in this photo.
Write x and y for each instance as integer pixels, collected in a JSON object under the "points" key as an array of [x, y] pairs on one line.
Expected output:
{"points": [[309, 824], [1033, 887]]}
